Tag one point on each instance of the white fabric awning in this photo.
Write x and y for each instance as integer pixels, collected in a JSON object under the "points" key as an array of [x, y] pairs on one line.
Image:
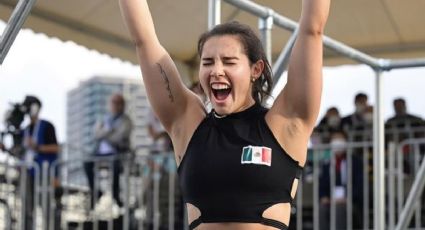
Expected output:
{"points": [[390, 28]]}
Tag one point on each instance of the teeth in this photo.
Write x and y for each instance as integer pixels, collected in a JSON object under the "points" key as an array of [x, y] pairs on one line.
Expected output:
{"points": [[219, 86]]}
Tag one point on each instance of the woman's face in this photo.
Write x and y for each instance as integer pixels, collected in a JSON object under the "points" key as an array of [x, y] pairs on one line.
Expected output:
{"points": [[225, 74]]}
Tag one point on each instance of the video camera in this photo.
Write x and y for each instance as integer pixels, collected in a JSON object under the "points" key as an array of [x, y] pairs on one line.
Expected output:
{"points": [[13, 120]]}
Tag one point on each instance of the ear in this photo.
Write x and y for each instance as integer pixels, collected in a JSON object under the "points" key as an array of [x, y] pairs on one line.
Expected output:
{"points": [[257, 69]]}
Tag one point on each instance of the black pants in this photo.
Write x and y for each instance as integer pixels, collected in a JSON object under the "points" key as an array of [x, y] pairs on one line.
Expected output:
{"points": [[89, 167]]}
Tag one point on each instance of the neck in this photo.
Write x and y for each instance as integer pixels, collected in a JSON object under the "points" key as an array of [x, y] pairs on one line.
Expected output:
{"points": [[248, 105], [34, 120]]}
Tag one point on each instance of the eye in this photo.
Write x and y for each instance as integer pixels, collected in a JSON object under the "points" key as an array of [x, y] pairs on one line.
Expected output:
{"points": [[207, 63]]}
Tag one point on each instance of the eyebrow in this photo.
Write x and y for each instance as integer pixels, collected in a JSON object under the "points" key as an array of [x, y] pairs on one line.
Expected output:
{"points": [[208, 59], [224, 58], [230, 58]]}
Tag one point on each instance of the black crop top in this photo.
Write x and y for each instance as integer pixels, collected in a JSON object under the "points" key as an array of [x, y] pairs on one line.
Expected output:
{"points": [[234, 169]]}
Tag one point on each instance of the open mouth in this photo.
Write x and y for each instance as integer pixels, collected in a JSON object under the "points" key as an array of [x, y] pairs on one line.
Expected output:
{"points": [[221, 90]]}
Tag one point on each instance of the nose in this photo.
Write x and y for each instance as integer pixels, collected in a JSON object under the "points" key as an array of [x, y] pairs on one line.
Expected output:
{"points": [[217, 70]]}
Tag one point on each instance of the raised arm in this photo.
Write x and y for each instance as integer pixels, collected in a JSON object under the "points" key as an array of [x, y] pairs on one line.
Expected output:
{"points": [[300, 99], [166, 92], [294, 112]]}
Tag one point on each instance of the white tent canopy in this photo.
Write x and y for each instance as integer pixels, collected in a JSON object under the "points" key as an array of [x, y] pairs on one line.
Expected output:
{"points": [[390, 28]]}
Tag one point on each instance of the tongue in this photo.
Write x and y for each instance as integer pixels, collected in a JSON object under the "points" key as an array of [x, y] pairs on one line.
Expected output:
{"points": [[222, 94]]}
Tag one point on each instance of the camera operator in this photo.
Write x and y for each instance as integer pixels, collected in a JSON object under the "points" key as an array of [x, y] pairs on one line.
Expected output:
{"points": [[40, 146]]}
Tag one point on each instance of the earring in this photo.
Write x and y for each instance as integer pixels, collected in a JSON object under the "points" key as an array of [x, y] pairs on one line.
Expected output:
{"points": [[253, 79]]}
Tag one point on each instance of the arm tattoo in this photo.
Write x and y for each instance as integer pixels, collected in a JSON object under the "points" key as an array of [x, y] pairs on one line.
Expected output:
{"points": [[166, 81]]}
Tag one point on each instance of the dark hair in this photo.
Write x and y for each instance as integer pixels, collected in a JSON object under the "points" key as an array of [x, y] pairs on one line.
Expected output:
{"points": [[29, 100], [360, 96], [118, 96], [253, 49], [399, 100], [333, 109]]}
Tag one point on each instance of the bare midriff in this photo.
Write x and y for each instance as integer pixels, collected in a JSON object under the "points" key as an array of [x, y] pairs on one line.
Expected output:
{"points": [[279, 212], [233, 226]]}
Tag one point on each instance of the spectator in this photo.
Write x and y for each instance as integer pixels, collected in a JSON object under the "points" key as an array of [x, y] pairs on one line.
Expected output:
{"points": [[330, 123], [354, 124], [161, 142], [364, 129], [401, 118], [40, 146], [400, 127], [112, 135], [368, 115], [338, 145], [355, 119]]}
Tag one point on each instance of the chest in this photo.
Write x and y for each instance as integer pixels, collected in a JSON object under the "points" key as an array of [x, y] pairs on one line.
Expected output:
{"points": [[233, 158]]}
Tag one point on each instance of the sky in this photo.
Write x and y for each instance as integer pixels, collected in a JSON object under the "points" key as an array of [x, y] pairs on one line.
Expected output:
{"points": [[48, 68]]}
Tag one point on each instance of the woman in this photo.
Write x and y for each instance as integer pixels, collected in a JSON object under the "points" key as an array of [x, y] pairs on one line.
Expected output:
{"points": [[239, 164]]}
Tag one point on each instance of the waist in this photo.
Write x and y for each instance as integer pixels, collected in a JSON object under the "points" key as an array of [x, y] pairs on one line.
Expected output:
{"points": [[234, 226], [46, 156]]}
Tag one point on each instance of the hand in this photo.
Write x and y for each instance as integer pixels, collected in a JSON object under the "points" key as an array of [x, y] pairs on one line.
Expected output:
{"points": [[325, 200], [32, 145]]}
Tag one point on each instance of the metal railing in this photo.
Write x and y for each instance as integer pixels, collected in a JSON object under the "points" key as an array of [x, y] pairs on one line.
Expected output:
{"points": [[151, 199], [19, 194], [403, 187], [148, 202]]}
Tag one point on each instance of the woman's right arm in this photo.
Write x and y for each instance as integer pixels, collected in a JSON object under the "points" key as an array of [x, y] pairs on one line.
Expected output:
{"points": [[168, 96]]}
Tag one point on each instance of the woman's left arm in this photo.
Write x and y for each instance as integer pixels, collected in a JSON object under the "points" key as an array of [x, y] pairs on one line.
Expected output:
{"points": [[299, 101]]}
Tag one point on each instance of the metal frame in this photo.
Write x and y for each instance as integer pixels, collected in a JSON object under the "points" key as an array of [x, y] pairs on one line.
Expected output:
{"points": [[414, 196], [214, 13], [19, 14], [378, 65]]}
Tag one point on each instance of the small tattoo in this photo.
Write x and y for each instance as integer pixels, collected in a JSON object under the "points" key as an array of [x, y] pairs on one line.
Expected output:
{"points": [[166, 81]]}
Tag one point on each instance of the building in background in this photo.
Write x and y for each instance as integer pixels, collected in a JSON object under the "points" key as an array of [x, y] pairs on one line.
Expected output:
{"points": [[88, 103]]}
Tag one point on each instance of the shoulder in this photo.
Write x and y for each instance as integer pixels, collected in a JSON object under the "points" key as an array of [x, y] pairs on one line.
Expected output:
{"points": [[413, 117], [391, 119], [346, 118], [47, 123]]}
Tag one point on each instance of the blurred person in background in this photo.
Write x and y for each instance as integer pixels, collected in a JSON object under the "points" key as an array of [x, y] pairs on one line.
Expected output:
{"points": [[330, 123], [401, 117], [356, 119], [403, 126], [161, 141], [41, 146], [338, 145], [112, 135]]}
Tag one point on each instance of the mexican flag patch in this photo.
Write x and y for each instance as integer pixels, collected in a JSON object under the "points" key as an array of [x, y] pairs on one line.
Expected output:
{"points": [[256, 155]]}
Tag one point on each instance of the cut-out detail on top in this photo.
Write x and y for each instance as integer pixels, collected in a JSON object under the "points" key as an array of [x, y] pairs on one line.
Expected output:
{"points": [[193, 213], [278, 212], [294, 187]]}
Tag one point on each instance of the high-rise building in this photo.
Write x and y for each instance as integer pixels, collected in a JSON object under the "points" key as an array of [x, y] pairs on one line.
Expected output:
{"points": [[88, 103]]}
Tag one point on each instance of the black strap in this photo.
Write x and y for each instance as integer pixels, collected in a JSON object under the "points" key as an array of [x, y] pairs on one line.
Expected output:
{"points": [[299, 173], [269, 222], [274, 223], [195, 223]]}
